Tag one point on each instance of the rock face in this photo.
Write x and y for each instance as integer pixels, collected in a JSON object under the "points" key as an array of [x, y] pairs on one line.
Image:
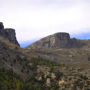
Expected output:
{"points": [[57, 40], [1, 25], [8, 34]]}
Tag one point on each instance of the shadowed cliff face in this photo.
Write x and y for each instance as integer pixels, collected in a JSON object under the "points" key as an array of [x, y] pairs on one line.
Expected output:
{"points": [[57, 40], [1, 25], [61, 40], [8, 34]]}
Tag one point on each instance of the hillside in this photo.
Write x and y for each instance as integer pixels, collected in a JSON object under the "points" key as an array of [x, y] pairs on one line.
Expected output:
{"points": [[76, 54], [60, 64]]}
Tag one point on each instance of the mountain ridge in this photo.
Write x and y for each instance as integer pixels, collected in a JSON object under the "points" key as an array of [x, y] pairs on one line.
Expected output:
{"points": [[58, 40]]}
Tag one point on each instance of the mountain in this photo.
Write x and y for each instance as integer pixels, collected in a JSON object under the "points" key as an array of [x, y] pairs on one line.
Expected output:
{"points": [[8, 33], [60, 48], [58, 40], [56, 62]]}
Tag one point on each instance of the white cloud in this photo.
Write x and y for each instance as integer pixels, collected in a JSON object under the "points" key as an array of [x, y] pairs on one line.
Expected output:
{"points": [[33, 19]]}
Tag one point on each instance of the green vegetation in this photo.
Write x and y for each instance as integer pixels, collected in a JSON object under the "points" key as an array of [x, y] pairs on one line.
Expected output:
{"points": [[9, 80], [41, 61], [48, 75]]}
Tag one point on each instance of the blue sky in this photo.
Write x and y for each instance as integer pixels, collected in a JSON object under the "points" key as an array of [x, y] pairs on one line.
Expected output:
{"points": [[34, 19], [82, 36]]}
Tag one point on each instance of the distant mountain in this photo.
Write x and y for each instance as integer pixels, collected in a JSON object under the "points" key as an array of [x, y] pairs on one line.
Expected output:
{"points": [[58, 40]]}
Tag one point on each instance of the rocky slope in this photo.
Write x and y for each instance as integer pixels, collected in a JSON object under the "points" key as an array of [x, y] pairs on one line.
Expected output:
{"points": [[56, 62], [29, 71], [61, 48]]}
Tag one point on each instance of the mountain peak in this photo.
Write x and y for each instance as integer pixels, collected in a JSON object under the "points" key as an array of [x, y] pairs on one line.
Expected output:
{"points": [[62, 35], [57, 40], [8, 33], [1, 25]]}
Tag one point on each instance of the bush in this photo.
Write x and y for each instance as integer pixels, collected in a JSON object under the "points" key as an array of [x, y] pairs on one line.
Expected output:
{"points": [[9, 80], [41, 61]]}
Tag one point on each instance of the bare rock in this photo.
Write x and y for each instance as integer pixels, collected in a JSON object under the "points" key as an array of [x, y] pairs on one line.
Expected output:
{"points": [[57, 40], [1, 25], [8, 34]]}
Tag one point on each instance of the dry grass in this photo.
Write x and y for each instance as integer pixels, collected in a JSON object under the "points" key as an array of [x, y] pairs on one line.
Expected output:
{"points": [[8, 43]]}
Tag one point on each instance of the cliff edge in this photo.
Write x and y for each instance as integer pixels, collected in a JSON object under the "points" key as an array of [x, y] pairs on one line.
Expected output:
{"points": [[8, 34]]}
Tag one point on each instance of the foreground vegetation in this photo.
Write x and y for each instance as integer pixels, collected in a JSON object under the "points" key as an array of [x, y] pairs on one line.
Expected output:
{"points": [[48, 75], [41, 61]]}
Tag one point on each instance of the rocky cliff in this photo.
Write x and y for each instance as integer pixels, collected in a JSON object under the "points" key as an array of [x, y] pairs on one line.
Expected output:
{"points": [[57, 40], [8, 33]]}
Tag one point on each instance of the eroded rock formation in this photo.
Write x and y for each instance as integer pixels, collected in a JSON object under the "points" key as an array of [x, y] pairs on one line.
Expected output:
{"points": [[8, 33], [58, 40]]}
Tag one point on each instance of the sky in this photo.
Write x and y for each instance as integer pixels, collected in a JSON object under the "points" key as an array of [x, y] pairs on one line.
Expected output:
{"points": [[34, 19]]}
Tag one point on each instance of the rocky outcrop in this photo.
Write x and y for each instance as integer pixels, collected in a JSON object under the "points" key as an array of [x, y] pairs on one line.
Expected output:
{"points": [[1, 25], [57, 40], [8, 34]]}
